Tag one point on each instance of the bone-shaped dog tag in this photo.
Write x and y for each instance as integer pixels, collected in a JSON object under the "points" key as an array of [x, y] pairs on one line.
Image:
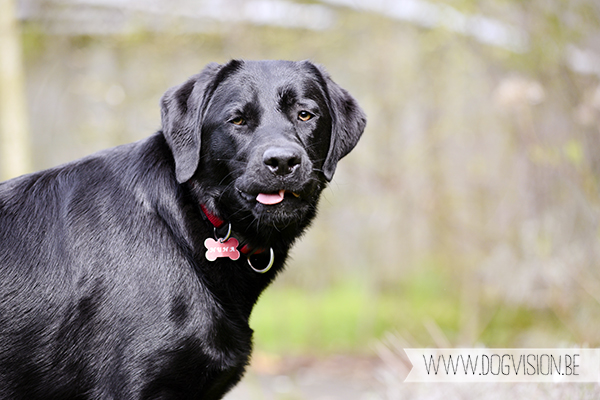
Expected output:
{"points": [[216, 249]]}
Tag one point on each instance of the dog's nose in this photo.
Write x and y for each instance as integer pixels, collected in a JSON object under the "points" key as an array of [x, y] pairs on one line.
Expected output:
{"points": [[281, 160]]}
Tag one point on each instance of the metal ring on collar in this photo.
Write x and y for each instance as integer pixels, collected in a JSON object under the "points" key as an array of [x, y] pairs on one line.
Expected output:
{"points": [[226, 236], [268, 267]]}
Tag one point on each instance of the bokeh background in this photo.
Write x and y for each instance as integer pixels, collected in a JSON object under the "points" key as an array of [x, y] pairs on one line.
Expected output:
{"points": [[468, 215]]}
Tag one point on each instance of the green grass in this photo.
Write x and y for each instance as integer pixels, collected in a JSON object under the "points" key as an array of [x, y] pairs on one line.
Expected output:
{"points": [[296, 320], [348, 317]]}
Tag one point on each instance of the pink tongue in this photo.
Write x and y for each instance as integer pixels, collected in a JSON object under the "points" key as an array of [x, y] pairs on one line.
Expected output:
{"points": [[272, 198]]}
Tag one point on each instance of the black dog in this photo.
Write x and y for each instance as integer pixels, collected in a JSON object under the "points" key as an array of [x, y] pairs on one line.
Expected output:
{"points": [[112, 285]]}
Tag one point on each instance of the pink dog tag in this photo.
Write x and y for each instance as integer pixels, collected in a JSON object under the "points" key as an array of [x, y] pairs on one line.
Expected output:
{"points": [[216, 249]]}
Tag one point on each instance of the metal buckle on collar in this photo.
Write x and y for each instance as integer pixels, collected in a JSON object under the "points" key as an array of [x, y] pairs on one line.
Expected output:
{"points": [[227, 236], [269, 265]]}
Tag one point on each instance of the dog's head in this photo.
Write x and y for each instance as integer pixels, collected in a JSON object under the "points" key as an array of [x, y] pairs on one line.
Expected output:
{"points": [[259, 140]]}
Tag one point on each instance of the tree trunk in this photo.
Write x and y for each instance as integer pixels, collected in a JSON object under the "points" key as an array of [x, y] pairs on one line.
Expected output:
{"points": [[15, 144]]}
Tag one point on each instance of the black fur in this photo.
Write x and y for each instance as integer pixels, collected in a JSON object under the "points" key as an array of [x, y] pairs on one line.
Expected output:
{"points": [[105, 291]]}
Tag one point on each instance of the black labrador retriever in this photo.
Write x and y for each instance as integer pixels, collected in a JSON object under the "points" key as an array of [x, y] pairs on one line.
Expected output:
{"points": [[131, 273]]}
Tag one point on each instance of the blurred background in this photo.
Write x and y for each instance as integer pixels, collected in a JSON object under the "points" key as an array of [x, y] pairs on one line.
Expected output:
{"points": [[468, 215]]}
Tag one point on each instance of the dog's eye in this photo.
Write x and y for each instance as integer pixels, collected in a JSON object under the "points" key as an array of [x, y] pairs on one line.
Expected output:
{"points": [[238, 121], [304, 116]]}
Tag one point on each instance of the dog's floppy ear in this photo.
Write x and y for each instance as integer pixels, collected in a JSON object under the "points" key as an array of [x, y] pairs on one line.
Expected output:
{"points": [[181, 113], [348, 123]]}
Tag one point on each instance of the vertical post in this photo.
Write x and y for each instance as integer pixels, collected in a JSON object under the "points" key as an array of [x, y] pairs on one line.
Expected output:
{"points": [[15, 143]]}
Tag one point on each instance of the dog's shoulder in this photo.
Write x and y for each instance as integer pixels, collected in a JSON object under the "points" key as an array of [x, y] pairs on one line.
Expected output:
{"points": [[110, 195]]}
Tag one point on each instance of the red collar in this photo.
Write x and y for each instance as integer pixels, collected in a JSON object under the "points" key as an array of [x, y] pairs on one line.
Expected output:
{"points": [[218, 223]]}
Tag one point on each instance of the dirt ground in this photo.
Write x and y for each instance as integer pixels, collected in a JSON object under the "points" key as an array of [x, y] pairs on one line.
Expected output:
{"points": [[300, 378], [369, 378]]}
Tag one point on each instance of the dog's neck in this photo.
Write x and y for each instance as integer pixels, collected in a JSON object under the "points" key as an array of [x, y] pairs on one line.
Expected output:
{"points": [[245, 248]]}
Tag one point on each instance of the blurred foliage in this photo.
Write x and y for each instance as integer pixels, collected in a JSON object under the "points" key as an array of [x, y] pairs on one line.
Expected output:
{"points": [[471, 203]]}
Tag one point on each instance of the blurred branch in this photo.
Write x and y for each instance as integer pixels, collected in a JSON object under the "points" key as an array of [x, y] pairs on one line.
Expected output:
{"points": [[15, 150]]}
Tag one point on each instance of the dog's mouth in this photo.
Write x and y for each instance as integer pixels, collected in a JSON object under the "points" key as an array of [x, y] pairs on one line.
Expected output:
{"points": [[278, 211]]}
